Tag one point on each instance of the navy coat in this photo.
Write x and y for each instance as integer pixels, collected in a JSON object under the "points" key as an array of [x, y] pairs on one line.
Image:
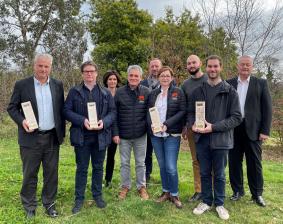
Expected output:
{"points": [[74, 110]]}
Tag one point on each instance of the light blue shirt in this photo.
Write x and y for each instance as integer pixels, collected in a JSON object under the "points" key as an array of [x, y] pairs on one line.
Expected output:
{"points": [[242, 90], [44, 105]]}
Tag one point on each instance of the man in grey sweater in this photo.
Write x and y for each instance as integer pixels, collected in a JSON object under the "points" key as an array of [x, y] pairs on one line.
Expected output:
{"points": [[197, 77]]}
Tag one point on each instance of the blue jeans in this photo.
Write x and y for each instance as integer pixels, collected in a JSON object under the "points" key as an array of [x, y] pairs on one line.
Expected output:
{"points": [[83, 155], [211, 160], [167, 151]]}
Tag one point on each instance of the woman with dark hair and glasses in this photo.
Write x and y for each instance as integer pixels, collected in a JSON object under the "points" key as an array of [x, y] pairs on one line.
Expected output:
{"points": [[171, 106], [111, 80]]}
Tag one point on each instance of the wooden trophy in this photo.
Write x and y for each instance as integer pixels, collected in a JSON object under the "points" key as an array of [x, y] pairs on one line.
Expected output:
{"points": [[200, 114], [29, 115], [155, 119], [92, 115]]}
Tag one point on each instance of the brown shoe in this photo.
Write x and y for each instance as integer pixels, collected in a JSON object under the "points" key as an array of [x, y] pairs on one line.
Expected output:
{"points": [[123, 193], [176, 201], [143, 194], [163, 197]]}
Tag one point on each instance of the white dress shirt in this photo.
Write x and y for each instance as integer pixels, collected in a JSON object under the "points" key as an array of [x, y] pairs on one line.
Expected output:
{"points": [[44, 105], [242, 90], [161, 105]]}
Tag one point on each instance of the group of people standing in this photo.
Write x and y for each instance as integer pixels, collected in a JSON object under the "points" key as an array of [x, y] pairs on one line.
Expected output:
{"points": [[237, 120]]}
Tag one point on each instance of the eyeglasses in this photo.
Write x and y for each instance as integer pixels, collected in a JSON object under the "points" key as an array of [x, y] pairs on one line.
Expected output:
{"points": [[165, 76], [90, 71]]}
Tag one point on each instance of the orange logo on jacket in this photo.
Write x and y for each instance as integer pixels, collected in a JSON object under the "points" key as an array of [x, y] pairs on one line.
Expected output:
{"points": [[174, 96], [141, 98]]}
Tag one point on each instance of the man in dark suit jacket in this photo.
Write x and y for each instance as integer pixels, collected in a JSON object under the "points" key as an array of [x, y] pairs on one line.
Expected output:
{"points": [[256, 109], [39, 145]]}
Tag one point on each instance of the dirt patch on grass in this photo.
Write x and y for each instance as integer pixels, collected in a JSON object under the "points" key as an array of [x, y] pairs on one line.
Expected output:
{"points": [[273, 153]]}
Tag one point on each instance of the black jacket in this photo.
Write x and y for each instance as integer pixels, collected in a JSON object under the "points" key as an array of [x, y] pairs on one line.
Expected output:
{"points": [[258, 107], [24, 91], [226, 115], [74, 110], [176, 109], [131, 112]]}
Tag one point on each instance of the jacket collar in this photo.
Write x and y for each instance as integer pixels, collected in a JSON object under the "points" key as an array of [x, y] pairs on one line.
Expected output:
{"points": [[225, 87], [31, 89], [171, 86], [136, 90], [79, 88]]}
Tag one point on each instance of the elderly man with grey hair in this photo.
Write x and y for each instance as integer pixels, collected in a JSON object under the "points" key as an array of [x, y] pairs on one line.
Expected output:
{"points": [[39, 146], [130, 129]]}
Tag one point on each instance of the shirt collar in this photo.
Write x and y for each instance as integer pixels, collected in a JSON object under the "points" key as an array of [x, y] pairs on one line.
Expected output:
{"points": [[86, 86], [151, 77], [38, 83], [247, 80]]}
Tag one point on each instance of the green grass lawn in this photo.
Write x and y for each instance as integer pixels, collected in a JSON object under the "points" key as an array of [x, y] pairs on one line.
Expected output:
{"points": [[132, 210]]}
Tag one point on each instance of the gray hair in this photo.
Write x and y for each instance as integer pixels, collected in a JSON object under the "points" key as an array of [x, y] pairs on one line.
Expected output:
{"points": [[135, 67], [45, 55], [245, 56]]}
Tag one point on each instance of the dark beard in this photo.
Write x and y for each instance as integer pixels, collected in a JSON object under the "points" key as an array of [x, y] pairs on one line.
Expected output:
{"points": [[193, 73]]}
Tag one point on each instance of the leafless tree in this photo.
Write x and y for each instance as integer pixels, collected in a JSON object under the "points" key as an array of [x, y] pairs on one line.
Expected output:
{"points": [[256, 31], [208, 11]]}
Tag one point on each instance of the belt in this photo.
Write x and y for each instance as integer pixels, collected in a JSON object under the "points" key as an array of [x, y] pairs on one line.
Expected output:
{"points": [[44, 132]]}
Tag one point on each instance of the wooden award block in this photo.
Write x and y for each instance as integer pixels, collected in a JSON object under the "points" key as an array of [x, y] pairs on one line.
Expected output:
{"points": [[92, 114], [29, 115], [200, 114], [155, 119]]}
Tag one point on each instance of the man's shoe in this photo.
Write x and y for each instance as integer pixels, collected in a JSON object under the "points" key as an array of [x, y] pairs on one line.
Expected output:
{"points": [[259, 200], [176, 201], [143, 194], [222, 212], [236, 196], [51, 211], [201, 208], [163, 197], [100, 203], [195, 197], [123, 193], [78, 206], [30, 214]]}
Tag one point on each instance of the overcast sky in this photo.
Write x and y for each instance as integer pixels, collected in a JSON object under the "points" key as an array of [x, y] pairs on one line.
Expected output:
{"points": [[156, 7]]}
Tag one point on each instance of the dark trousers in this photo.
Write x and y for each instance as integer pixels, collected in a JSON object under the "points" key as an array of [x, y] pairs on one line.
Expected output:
{"points": [[83, 155], [47, 153], [212, 186], [252, 150], [148, 157], [110, 161]]}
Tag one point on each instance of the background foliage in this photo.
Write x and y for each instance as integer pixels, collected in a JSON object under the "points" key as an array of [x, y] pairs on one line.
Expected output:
{"points": [[132, 210], [123, 34]]}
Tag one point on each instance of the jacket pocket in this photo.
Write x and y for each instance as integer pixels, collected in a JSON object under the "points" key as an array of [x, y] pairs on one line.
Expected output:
{"points": [[76, 136], [222, 140]]}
